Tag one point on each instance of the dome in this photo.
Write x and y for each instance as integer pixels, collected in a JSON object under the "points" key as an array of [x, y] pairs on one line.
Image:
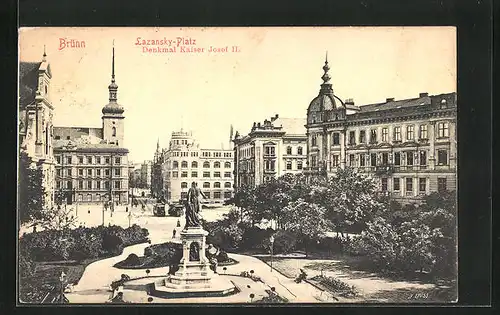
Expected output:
{"points": [[321, 103], [113, 108]]}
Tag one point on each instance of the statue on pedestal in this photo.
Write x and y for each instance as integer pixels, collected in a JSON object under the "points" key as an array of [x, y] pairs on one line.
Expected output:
{"points": [[193, 206]]}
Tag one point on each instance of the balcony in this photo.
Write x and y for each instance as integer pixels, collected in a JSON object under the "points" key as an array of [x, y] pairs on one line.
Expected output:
{"points": [[384, 170]]}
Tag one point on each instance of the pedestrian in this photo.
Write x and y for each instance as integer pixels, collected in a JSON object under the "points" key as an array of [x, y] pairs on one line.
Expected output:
{"points": [[126, 209], [175, 232], [178, 223]]}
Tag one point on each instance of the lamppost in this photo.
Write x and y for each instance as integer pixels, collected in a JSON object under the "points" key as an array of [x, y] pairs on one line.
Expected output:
{"points": [[129, 217], [271, 240]]}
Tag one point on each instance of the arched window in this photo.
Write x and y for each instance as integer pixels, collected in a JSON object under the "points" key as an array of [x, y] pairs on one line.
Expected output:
{"points": [[227, 165], [206, 185], [206, 164], [194, 164], [114, 131], [184, 185], [217, 165], [175, 164], [227, 185], [184, 164], [216, 185]]}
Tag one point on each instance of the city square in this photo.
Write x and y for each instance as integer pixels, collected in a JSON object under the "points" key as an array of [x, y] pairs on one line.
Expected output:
{"points": [[326, 200]]}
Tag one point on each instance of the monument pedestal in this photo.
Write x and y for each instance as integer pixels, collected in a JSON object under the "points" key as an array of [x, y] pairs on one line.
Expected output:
{"points": [[194, 277]]}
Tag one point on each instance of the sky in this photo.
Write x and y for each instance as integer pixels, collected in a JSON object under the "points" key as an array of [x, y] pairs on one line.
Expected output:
{"points": [[274, 71]]}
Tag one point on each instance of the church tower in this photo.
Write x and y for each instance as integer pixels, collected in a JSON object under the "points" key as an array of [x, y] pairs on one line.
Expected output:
{"points": [[112, 113]]}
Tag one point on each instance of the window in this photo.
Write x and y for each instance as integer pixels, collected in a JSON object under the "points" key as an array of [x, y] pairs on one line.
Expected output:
{"points": [[117, 185], [410, 132], [385, 158], [385, 135], [216, 174], [89, 172], [206, 185], [299, 150], [175, 164], [58, 172], [117, 160], [58, 184], [336, 138], [98, 172], [269, 150], [396, 184], [114, 131], [175, 174], [397, 158], [442, 157], [89, 160], [80, 171], [69, 184], [80, 159], [423, 132], [106, 160], [206, 174], [373, 136], [397, 133], [217, 185], [409, 158], [409, 186], [184, 185], [117, 172], [184, 174], [313, 141], [351, 160], [423, 158], [289, 150], [89, 184], [106, 172], [335, 160], [227, 195], [216, 164], [194, 164], [384, 184], [443, 130], [217, 195], [373, 159], [184, 194], [442, 185], [299, 165], [194, 174], [227, 185], [69, 172], [227, 165], [80, 184], [422, 183], [58, 159], [269, 165], [313, 160], [98, 160], [184, 164], [361, 160], [362, 136], [207, 194], [98, 185], [206, 164], [227, 174], [106, 185], [70, 160], [352, 138], [288, 165]]}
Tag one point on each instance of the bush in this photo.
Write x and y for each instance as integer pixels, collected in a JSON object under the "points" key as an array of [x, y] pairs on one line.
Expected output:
{"points": [[284, 242], [132, 260], [255, 238]]}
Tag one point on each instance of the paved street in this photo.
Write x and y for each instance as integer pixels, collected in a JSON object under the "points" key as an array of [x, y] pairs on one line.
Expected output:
{"points": [[92, 287]]}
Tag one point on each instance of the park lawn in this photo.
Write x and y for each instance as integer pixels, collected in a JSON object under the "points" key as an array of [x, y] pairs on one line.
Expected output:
{"points": [[372, 286], [33, 289]]}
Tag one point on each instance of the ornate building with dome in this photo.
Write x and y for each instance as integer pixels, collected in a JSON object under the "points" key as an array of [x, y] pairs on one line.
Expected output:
{"points": [[92, 163], [409, 145]]}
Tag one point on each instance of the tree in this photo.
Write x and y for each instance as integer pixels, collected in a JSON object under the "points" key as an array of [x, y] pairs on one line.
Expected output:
{"points": [[305, 219], [58, 218], [31, 190]]}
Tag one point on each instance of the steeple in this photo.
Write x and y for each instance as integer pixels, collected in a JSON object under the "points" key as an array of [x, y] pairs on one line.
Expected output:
{"points": [[158, 145], [326, 76], [44, 59], [113, 87]]}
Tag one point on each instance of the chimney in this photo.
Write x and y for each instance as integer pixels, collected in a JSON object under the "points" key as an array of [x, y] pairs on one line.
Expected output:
{"points": [[389, 99], [424, 94], [349, 101]]}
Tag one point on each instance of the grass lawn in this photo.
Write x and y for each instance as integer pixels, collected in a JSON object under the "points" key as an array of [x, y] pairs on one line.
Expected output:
{"points": [[33, 289], [372, 286]]}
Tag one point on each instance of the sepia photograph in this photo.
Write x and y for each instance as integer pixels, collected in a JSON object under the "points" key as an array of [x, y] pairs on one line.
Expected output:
{"points": [[237, 165]]}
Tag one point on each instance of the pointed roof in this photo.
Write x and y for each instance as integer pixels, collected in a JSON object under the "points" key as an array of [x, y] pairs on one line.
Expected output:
{"points": [[113, 107]]}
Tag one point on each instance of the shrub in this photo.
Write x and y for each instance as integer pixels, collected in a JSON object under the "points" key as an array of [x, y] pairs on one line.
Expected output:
{"points": [[284, 242], [132, 260], [255, 238]]}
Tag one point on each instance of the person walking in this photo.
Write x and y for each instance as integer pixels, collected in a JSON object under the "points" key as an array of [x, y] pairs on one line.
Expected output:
{"points": [[178, 223], [174, 232]]}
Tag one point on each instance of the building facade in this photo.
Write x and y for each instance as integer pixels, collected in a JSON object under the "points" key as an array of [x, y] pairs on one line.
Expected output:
{"points": [[92, 163], [145, 174], [409, 146], [271, 149], [185, 162], [35, 121]]}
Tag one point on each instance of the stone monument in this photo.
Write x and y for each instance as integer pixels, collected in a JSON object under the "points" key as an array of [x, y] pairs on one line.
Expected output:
{"points": [[194, 276]]}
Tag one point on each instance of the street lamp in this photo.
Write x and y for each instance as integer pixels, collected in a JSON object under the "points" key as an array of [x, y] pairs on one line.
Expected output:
{"points": [[271, 240]]}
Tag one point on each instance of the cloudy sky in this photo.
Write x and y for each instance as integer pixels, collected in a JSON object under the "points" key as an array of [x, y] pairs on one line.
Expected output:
{"points": [[275, 71]]}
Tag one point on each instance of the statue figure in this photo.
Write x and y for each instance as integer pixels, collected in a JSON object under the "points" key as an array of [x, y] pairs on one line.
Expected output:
{"points": [[193, 206]]}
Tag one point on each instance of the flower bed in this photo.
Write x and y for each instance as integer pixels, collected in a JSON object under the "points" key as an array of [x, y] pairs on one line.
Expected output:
{"points": [[335, 286]]}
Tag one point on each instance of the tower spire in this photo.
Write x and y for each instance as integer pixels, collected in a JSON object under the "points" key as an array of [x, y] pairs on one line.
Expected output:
{"points": [[113, 87], [326, 76], [44, 59]]}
